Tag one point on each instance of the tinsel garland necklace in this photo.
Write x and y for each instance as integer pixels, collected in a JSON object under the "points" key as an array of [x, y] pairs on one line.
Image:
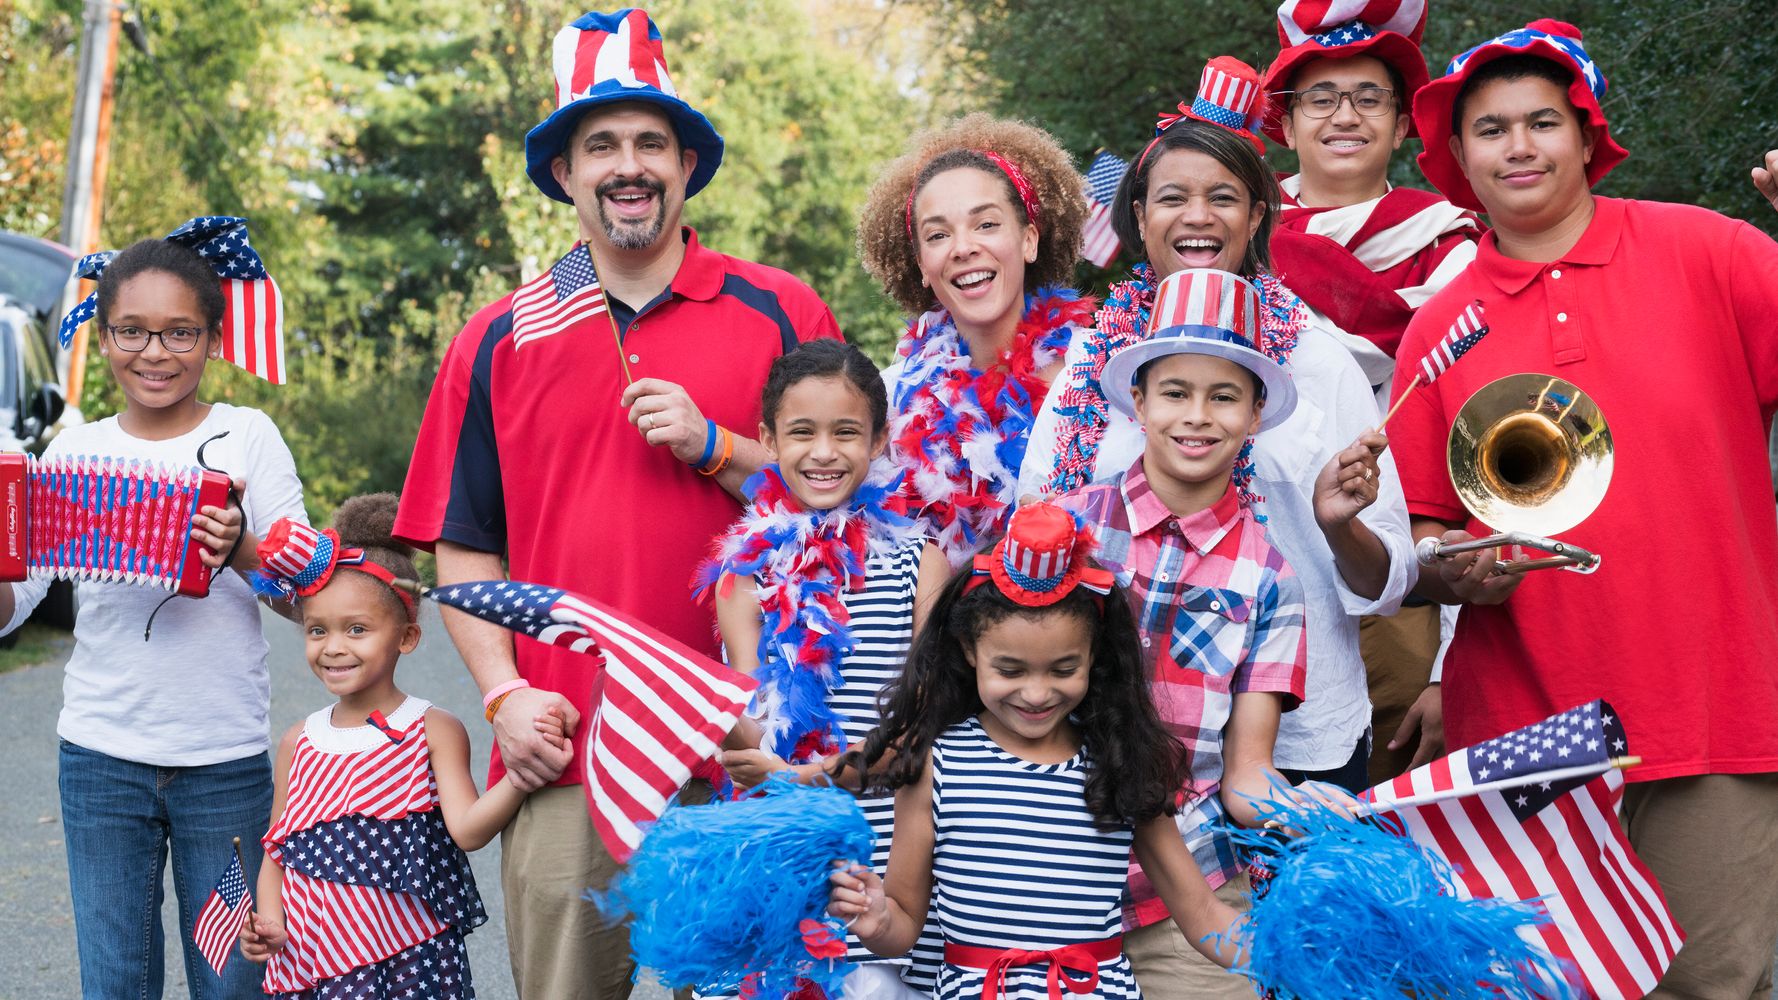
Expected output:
{"points": [[960, 430], [1122, 321], [802, 563]]}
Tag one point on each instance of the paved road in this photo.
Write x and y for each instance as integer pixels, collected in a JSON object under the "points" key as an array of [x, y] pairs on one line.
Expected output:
{"points": [[37, 958]]}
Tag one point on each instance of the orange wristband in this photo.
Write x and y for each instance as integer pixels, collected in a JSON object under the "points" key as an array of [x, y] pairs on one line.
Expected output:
{"points": [[728, 452]]}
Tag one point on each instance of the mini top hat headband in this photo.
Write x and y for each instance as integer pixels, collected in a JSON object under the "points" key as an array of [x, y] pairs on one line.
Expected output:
{"points": [[1021, 185], [605, 59], [296, 560], [1228, 95], [1387, 30], [1045, 554], [1556, 41], [253, 309]]}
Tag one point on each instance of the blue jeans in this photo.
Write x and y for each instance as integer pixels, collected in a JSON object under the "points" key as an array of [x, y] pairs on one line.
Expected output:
{"points": [[118, 818]]}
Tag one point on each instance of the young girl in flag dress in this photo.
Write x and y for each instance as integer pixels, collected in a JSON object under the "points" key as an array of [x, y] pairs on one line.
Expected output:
{"points": [[1027, 760], [367, 892], [819, 588]]}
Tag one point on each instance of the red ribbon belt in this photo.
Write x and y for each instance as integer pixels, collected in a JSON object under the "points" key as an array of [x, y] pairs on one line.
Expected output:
{"points": [[1079, 958]]}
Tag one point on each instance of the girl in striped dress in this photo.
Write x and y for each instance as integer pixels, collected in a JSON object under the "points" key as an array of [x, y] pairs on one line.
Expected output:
{"points": [[819, 587], [367, 892], [1027, 761]]}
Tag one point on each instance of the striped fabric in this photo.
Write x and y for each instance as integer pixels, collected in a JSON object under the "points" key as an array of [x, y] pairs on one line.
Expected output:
{"points": [[1466, 330], [336, 928], [1207, 297], [387, 781], [1300, 20], [1228, 90], [1018, 862]]}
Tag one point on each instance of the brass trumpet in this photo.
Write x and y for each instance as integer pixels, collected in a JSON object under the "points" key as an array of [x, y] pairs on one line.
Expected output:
{"points": [[1530, 456]]}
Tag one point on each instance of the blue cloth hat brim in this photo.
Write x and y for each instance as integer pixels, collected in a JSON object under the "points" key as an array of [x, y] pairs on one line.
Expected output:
{"points": [[546, 142], [1120, 371]]}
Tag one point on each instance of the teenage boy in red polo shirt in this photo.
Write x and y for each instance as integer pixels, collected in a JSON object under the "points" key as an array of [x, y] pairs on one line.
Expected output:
{"points": [[1667, 316], [591, 471], [1364, 255]]}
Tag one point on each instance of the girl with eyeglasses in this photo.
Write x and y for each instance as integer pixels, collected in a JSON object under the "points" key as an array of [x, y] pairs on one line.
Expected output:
{"points": [[163, 743]]}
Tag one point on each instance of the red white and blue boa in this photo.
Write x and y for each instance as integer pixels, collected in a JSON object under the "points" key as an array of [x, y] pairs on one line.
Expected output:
{"points": [[960, 431], [802, 563], [1123, 321]]}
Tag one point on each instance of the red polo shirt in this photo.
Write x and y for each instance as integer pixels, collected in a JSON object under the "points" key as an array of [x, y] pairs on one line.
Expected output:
{"points": [[526, 452], [1667, 315]]}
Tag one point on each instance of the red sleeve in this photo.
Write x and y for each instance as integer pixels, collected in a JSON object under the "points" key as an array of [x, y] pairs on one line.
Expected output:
{"points": [[1753, 283], [813, 319], [1417, 433], [453, 490]]}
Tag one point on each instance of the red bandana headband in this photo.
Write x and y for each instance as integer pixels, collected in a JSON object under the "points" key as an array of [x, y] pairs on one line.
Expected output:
{"points": [[1020, 183]]}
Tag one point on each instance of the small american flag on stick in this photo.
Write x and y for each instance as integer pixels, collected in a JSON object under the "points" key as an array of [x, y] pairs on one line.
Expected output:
{"points": [[1099, 242], [1468, 330], [219, 922], [558, 298], [659, 707]]}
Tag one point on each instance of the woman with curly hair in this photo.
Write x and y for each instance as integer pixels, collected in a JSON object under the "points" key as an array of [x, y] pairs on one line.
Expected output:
{"points": [[975, 232]]}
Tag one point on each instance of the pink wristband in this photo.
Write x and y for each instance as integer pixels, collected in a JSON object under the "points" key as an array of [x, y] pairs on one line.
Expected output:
{"points": [[506, 688]]}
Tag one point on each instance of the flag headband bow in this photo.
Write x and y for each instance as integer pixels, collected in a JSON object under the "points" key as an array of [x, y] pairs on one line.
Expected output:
{"points": [[253, 310], [1046, 553], [296, 560], [1021, 185]]}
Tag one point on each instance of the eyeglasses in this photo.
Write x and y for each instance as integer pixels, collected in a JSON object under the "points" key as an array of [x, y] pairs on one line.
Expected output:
{"points": [[178, 339], [1371, 102]]}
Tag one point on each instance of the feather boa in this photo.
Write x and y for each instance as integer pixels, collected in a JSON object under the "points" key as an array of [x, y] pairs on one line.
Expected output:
{"points": [[803, 563], [1122, 321], [961, 431]]}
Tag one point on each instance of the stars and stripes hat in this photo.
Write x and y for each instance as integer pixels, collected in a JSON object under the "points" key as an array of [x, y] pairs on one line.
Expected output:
{"points": [[1556, 41], [297, 560], [605, 59], [1202, 310], [1045, 554], [1386, 30], [1228, 95]]}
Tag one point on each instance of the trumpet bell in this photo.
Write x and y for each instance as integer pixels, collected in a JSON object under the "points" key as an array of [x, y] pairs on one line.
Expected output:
{"points": [[1530, 453]]}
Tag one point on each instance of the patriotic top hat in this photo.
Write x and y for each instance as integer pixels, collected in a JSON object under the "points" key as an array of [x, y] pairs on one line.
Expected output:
{"points": [[1556, 41], [297, 560], [1201, 310], [1046, 553], [1387, 30], [1228, 95], [605, 59]]}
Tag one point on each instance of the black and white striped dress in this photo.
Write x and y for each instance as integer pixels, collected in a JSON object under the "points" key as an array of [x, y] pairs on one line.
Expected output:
{"points": [[882, 626], [1019, 863]]}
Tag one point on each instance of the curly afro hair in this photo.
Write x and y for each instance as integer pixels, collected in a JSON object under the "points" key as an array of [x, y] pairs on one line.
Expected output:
{"points": [[883, 243], [368, 522]]}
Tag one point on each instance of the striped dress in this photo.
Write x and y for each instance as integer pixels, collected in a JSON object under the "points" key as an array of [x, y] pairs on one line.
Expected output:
{"points": [[882, 626], [377, 897], [1019, 863]]}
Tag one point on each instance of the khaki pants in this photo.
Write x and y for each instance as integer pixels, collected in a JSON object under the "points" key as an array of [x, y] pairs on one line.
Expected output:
{"points": [[1167, 967], [1398, 653], [561, 948], [1712, 842]]}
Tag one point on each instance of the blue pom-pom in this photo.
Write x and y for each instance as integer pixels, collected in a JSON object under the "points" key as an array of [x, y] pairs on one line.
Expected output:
{"points": [[1352, 910], [716, 894]]}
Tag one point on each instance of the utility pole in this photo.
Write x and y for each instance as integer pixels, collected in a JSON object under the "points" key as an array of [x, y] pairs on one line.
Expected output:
{"points": [[89, 153]]}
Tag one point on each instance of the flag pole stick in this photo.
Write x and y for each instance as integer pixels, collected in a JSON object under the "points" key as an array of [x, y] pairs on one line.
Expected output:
{"points": [[1561, 774], [242, 860], [611, 320], [1411, 386]]}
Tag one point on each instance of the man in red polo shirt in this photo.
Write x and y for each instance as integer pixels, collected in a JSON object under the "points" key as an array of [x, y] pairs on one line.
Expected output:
{"points": [[1667, 316], [1364, 255], [596, 452]]}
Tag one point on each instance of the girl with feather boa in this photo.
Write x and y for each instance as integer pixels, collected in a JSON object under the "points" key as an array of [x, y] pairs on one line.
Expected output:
{"points": [[819, 588], [975, 232]]}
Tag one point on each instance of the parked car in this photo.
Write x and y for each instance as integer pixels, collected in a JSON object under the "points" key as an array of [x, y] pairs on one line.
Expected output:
{"points": [[34, 275]]}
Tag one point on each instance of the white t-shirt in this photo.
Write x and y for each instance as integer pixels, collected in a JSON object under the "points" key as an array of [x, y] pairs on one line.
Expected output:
{"points": [[196, 693]]}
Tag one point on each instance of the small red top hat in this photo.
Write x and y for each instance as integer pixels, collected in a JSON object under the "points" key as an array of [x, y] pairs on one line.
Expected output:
{"points": [[1046, 553], [1228, 95]]}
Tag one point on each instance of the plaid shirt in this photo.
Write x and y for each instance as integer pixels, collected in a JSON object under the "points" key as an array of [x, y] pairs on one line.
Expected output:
{"points": [[1220, 614]]}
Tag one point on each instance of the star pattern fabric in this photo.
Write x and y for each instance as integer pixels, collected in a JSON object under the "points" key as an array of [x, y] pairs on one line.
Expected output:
{"points": [[434, 969], [413, 854]]}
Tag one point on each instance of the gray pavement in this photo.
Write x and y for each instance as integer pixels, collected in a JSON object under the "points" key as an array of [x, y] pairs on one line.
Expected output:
{"points": [[37, 956]]}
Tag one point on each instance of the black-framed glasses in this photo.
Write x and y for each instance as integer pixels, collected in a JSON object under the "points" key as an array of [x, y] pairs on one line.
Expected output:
{"points": [[177, 339], [1371, 102]]}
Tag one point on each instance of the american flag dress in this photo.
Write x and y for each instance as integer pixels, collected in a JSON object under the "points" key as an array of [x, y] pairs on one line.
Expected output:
{"points": [[377, 897]]}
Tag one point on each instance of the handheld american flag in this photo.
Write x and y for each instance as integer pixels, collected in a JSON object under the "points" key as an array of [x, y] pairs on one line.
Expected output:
{"points": [[219, 922], [1099, 242], [659, 707], [560, 297], [1468, 329], [1549, 833]]}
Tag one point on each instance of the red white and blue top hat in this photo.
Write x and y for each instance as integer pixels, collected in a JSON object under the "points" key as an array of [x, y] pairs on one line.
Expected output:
{"points": [[297, 560], [1228, 95], [1201, 310], [1046, 553], [1386, 30], [1556, 41], [604, 59]]}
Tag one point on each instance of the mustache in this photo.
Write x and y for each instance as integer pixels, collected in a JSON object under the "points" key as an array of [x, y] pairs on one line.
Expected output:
{"points": [[617, 183]]}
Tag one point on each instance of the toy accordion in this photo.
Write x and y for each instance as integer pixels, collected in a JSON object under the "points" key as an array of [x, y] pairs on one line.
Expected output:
{"points": [[106, 520]]}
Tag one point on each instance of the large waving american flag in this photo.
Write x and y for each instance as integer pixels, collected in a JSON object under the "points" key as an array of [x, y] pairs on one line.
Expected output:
{"points": [[659, 707], [1098, 241], [1533, 814], [555, 300]]}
